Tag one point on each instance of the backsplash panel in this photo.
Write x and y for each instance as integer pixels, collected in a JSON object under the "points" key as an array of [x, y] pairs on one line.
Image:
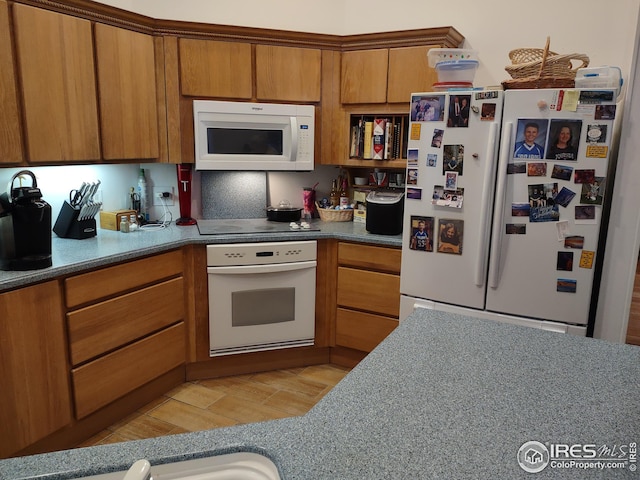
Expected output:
{"points": [[233, 194]]}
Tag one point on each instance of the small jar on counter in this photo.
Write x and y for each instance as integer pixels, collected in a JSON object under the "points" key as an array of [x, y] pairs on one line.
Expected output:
{"points": [[124, 224], [133, 223]]}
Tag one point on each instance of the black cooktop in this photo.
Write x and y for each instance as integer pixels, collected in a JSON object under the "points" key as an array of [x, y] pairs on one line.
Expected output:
{"points": [[248, 225]]}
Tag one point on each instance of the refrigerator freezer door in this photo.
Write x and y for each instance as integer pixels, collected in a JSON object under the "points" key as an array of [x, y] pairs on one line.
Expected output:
{"points": [[538, 244], [457, 165], [409, 304]]}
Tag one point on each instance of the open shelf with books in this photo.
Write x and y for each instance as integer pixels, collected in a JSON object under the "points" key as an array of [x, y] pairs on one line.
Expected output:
{"points": [[378, 140]]}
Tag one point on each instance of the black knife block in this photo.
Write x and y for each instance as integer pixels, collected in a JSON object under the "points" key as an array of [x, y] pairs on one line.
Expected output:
{"points": [[68, 226]]}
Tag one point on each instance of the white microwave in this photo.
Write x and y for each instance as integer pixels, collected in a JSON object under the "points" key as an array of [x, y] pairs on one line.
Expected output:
{"points": [[253, 136]]}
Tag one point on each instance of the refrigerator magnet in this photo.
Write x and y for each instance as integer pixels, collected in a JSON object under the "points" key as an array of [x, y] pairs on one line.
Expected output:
{"points": [[516, 167], [562, 229], [584, 176], [412, 156], [450, 234], [520, 209], [450, 180], [436, 140], [561, 172], [593, 192], [565, 261], [564, 197], [586, 259], [414, 193], [564, 138], [530, 137], [537, 169], [585, 214], [415, 131], [596, 133], [488, 112], [516, 229], [574, 241], [421, 238], [566, 285], [453, 159], [432, 159]]}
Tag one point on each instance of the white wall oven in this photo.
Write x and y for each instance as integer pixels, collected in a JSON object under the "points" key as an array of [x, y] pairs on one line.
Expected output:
{"points": [[261, 296]]}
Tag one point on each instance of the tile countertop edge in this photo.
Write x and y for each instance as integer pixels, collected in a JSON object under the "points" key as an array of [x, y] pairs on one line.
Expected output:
{"points": [[443, 396], [110, 247]]}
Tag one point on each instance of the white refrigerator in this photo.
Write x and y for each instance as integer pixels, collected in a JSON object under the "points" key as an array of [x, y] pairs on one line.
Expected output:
{"points": [[504, 203]]}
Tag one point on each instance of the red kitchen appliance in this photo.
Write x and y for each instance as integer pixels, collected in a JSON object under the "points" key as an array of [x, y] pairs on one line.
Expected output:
{"points": [[184, 195]]}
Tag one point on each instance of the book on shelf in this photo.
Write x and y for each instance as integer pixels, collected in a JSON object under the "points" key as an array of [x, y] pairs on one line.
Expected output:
{"points": [[379, 141], [368, 140]]}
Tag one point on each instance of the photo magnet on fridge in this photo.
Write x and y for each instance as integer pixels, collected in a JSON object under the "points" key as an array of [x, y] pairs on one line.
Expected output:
{"points": [[516, 167], [436, 140], [585, 214], [530, 138], [593, 192], [450, 233], [565, 261], [453, 158], [414, 193], [564, 197], [447, 198], [584, 176], [412, 156], [537, 169], [488, 112], [432, 160], [597, 133], [427, 108], [561, 172], [574, 241], [520, 209], [459, 110], [564, 138], [566, 285], [516, 229], [421, 234]]}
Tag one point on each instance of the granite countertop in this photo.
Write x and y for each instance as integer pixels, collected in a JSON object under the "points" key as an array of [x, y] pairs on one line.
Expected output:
{"points": [[444, 396], [71, 256]]}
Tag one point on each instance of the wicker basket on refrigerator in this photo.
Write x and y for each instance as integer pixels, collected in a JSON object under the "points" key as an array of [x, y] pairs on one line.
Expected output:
{"points": [[542, 68]]}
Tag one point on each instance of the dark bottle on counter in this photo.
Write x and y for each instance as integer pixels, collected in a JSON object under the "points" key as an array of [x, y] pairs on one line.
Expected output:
{"points": [[334, 195], [344, 195]]}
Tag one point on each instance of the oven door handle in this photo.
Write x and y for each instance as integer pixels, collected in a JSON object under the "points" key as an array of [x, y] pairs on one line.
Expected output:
{"points": [[270, 268]]}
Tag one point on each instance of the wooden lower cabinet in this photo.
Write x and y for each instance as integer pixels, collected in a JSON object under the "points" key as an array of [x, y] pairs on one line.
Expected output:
{"points": [[130, 332], [34, 377], [367, 299], [112, 376]]}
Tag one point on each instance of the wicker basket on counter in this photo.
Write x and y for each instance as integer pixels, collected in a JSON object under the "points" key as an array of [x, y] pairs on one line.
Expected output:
{"points": [[332, 215], [542, 68]]}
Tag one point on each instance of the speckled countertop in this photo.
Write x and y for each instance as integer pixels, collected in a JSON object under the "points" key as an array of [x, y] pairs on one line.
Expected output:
{"points": [[107, 247], [443, 397]]}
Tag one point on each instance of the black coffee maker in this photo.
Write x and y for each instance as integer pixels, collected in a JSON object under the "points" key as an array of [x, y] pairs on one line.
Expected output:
{"points": [[25, 227]]}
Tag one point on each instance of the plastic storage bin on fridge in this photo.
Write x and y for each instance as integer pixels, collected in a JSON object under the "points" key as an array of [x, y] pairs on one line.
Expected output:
{"points": [[384, 212]]}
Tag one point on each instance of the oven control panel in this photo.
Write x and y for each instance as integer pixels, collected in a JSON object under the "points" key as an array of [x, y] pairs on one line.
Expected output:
{"points": [[264, 253]]}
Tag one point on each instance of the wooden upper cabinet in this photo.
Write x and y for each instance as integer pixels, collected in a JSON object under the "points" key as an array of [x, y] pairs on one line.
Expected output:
{"points": [[56, 65], [409, 72], [10, 132], [385, 75], [127, 86], [35, 398], [211, 68], [288, 73], [364, 76]]}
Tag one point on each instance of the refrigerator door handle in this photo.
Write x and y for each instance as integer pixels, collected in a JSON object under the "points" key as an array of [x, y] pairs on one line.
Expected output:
{"points": [[489, 175], [501, 189]]}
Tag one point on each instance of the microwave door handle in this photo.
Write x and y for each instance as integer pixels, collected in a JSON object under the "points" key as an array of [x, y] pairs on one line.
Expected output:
{"points": [[294, 138]]}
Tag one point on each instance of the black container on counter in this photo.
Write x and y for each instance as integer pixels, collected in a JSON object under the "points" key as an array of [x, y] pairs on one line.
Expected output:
{"points": [[385, 210], [25, 227]]}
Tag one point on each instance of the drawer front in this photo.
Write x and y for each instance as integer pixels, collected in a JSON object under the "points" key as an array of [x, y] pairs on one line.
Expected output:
{"points": [[108, 325], [108, 378], [362, 331], [369, 257], [370, 291], [109, 281]]}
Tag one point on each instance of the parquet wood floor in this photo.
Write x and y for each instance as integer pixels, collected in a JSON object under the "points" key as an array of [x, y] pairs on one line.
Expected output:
{"points": [[227, 401]]}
